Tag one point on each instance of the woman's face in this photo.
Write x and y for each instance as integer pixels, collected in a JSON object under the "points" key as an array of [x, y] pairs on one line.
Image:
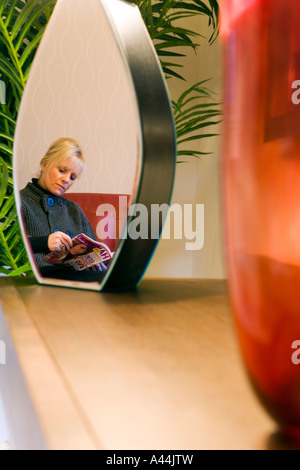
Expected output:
{"points": [[59, 178]]}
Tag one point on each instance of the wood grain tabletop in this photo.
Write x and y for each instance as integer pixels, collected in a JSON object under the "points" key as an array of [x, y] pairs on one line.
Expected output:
{"points": [[154, 368]]}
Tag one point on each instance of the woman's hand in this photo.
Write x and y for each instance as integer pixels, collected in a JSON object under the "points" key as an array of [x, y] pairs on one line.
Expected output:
{"points": [[59, 241]]}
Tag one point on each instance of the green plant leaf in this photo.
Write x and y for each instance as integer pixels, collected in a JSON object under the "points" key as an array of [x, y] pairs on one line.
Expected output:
{"points": [[161, 18], [4, 180], [196, 137], [7, 117], [21, 270], [22, 24], [193, 115]]}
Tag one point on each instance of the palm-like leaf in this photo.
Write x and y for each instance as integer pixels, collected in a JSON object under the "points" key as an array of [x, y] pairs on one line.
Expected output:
{"points": [[193, 116], [12, 251], [22, 24], [163, 19]]}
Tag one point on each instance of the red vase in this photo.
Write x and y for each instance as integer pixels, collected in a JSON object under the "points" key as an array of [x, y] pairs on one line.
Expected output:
{"points": [[261, 189]]}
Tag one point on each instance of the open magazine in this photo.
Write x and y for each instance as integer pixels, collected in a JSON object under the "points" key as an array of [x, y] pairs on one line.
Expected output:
{"points": [[84, 253]]}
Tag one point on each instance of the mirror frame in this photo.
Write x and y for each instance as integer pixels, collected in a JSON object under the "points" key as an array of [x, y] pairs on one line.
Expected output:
{"points": [[158, 151]]}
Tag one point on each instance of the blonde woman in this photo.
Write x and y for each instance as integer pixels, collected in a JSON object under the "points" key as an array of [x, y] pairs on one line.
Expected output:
{"points": [[51, 221]]}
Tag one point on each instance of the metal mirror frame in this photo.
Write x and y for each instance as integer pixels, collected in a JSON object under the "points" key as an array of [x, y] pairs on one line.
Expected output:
{"points": [[157, 152]]}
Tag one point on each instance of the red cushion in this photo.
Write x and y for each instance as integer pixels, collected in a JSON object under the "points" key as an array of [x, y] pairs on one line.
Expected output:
{"points": [[106, 213]]}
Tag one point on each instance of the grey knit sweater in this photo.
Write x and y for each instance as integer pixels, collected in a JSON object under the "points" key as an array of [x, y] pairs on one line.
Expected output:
{"points": [[44, 213]]}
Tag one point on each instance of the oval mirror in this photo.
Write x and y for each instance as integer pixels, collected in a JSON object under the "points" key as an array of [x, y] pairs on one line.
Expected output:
{"points": [[95, 79]]}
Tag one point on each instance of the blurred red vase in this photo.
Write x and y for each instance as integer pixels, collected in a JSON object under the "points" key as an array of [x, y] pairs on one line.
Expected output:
{"points": [[261, 192]]}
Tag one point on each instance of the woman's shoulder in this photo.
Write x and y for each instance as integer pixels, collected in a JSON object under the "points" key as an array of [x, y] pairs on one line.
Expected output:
{"points": [[32, 191], [72, 206], [70, 203], [27, 192], [26, 189]]}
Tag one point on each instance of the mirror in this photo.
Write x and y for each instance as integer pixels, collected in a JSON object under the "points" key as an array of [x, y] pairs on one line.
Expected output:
{"points": [[96, 79]]}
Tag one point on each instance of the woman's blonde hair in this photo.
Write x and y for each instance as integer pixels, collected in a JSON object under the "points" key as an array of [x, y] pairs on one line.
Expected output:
{"points": [[60, 150]]}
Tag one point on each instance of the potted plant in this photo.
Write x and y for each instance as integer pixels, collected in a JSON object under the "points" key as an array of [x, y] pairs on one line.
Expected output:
{"points": [[196, 109]]}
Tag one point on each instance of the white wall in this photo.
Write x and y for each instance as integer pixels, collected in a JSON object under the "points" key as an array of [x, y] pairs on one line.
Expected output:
{"points": [[198, 181]]}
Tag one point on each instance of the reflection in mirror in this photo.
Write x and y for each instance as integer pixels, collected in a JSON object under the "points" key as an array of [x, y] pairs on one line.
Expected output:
{"points": [[97, 84], [76, 151]]}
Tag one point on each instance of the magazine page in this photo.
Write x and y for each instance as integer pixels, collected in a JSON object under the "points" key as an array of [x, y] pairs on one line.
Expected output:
{"points": [[84, 253]]}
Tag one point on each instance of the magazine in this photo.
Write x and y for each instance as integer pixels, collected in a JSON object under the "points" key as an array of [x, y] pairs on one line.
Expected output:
{"points": [[84, 254]]}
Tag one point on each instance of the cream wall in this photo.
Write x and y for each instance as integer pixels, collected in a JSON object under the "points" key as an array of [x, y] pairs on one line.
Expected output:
{"points": [[198, 181], [79, 87]]}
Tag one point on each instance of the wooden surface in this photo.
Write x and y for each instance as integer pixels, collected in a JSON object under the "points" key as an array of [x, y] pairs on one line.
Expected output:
{"points": [[157, 368]]}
